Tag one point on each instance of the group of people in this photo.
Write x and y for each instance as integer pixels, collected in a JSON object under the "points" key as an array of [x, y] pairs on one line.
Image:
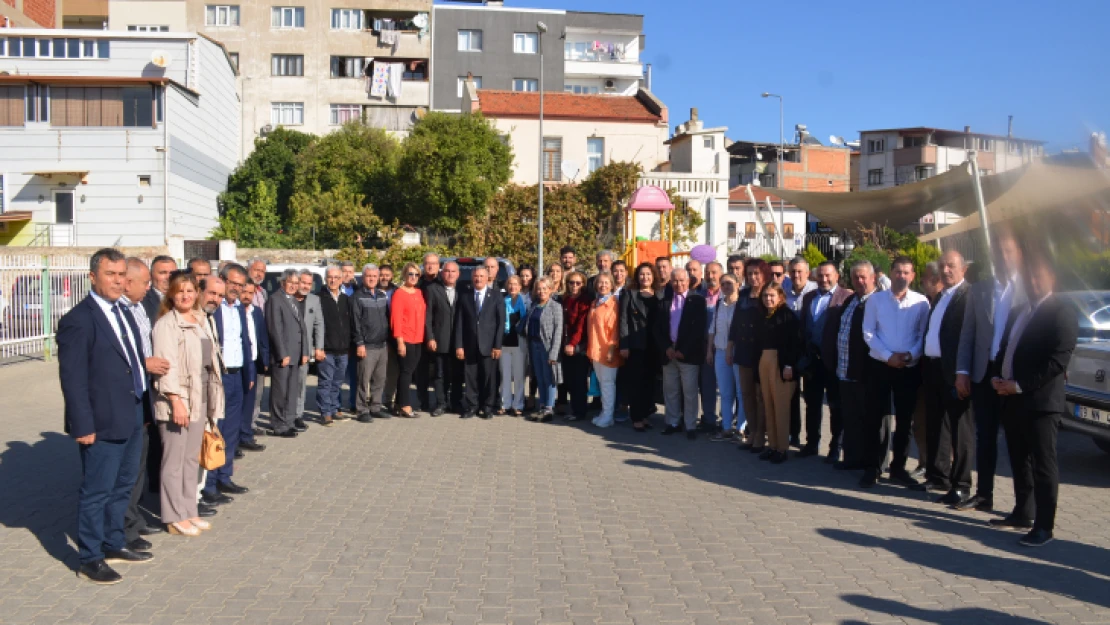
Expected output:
{"points": [[155, 356]]}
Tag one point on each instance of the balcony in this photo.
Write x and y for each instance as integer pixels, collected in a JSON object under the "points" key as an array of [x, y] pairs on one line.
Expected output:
{"points": [[604, 69], [918, 155]]}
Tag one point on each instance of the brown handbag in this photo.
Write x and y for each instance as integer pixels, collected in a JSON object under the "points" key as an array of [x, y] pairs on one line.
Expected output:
{"points": [[212, 450]]}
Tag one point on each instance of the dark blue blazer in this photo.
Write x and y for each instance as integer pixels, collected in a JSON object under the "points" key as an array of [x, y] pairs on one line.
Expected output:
{"points": [[263, 336], [247, 372], [95, 374]]}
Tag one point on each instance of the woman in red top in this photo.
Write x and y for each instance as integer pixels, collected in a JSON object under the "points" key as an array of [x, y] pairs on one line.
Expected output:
{"points": [[406, 317], [576, 367]]}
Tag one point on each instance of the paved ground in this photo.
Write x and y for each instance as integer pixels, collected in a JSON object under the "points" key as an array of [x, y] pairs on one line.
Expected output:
{"points": [[449, 521]]}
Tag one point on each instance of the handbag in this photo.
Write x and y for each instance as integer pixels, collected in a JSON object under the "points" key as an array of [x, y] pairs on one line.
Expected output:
{"points": [[595, 387], [212, 450]]}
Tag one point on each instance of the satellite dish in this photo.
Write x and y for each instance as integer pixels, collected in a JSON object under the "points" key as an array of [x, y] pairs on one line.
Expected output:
{"points": [[835, 140], [570, 170], [421, 112], [160, 59]]}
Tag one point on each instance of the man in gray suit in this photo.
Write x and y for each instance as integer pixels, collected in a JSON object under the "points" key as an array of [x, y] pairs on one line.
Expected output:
{"points": [[314, 323], [978, 360], [289, 343]]}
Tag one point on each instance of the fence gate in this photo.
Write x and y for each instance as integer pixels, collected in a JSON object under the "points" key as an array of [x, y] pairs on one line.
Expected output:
{"points": [[35, 291]]}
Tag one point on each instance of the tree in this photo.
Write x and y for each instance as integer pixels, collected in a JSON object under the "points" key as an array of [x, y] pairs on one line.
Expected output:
{"points": [[255, 223], [273, 161], [358, 158], [450, 169], [813, 255], [341, 217]]}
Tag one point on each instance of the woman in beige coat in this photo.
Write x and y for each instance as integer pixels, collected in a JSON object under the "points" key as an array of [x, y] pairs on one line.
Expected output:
{"points": [[188, 397]]}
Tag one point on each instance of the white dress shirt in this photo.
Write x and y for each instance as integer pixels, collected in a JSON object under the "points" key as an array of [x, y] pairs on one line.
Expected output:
{"points": [[252, 332], [892, 326], [141, 320], [932, 335], [107, 306], [233, 335], [1004, 297]]}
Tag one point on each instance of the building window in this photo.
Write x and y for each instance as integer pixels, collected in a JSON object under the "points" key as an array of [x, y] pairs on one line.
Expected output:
{"points": [[874, 177], [749, 230], [552, 159], [287, 17], [595, 154], [147, 28], [922, 173], [234, 56], [348, 66], [346, 19], [128, 107], [343, 113], [770, 226], [874, 146], [576, 51], [221, 15], [38, 103], [525, 43], [526, 84], [287, 113], [581, 89], [731, 230], [144, 181], [788, 231], [913, 142], [707, 143], [287, 65], [470, 41], [462, 83], [984, 144], [12, 98], [57, 48], [1013, 147]]}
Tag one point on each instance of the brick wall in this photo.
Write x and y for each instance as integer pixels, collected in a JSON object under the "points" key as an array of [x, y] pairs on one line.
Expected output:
{"points": [[10, 3], [41, 11], [833, 162]]}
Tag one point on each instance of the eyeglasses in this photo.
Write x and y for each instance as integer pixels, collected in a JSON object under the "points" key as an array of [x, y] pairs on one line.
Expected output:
{"points": [[777, 274], [412, 274], [575, 283]]}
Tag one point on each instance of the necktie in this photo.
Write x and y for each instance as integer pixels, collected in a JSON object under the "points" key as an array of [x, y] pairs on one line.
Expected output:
{"points": [[478, 300], [131, 357]]}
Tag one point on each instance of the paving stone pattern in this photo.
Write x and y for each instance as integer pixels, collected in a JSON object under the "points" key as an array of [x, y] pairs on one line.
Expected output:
{"points": [[438, 521]]}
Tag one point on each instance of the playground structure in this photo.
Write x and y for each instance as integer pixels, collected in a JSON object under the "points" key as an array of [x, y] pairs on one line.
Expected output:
{"points": [[650, 199]]}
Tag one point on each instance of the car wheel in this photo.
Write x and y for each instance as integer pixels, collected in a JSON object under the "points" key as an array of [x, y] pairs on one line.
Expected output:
{"points": [[1104, 445]]}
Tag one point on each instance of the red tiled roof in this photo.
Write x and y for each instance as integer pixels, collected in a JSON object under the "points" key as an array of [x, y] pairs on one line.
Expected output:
{"points": [[740, 195], [494, 103]]}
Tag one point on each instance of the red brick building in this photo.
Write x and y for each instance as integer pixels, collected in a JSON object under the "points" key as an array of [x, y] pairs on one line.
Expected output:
{"points": [[809, 166], [31, 13]]}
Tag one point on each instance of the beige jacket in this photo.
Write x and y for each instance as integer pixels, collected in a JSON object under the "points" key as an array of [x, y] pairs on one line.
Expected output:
{"points": [[179, 342]]}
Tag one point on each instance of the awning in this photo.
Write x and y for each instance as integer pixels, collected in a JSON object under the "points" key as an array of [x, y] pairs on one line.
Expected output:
{"points": [[49, 173], [15, 216]]}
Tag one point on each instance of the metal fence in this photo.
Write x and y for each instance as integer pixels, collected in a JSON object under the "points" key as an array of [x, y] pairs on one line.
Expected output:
{"points": [[35, 291]]}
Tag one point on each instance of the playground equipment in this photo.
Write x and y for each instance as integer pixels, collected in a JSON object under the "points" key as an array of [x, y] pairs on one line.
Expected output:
{"points": [[650, 199]]}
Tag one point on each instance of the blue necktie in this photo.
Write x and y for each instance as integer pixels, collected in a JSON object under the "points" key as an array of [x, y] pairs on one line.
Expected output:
{"points": [[136, 379]]}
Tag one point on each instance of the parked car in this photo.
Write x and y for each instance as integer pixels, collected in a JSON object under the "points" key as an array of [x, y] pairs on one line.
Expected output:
{"points": [[272, 281], [1087, 389], [467, 265]]}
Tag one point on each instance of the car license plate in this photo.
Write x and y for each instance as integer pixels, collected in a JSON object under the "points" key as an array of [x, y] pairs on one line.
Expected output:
{"points": [[1090, 414]]}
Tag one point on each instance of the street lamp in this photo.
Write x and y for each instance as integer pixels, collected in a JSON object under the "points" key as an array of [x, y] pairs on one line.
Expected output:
{"points": [[541, 28], [778, 174]]}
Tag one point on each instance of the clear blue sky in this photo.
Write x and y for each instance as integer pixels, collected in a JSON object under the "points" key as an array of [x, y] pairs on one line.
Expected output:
{"points": [[850, 66]]}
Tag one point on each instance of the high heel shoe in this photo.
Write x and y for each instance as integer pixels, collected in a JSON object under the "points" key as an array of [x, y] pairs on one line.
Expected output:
{"points": [[201, 524], [176, 529]]}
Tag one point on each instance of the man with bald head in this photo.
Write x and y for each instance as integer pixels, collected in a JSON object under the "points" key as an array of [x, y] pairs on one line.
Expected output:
{"points": [[949, 428]]}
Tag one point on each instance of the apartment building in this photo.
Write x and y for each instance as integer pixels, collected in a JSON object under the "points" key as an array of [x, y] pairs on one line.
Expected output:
{"points": [[498, 47], [113, 138], [807, 165]]}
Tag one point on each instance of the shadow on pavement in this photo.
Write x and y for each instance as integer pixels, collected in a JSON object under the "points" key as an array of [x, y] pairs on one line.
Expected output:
{"points": [[38, 492], [955, 616]]}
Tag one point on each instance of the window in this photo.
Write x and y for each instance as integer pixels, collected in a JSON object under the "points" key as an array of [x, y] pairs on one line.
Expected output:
{"points": [[874, 146], [38, 103], [287, 17], [749, 230], [147, 28], [415, 70], [921, 173], [707, 143], [56, 48], [221, 15], [234, 56], [580, 89], [11, 104], [470, 41], [874, 177], [343, 113], [913, 142], [525, 43], [575, 51], [144, 181], [346, 19], [731, 230], [348, 66], [287, 113], [770, 228], [526, 84], [788, 231], [984, 144], [287, 65], [1013, 147], [552, 158], [595, 154], [130, 107], [462, 83]]}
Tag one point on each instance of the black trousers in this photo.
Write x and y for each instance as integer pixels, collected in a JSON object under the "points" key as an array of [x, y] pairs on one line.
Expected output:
{"points": [[796, 411], [986, 404], [576, 376], [446, 381], [887, 384], [949, 430], [408, 366], [481, 383], [819, 384], [636, 380], [1031, 441], [133, 519], [856, 420], [425, 374]]}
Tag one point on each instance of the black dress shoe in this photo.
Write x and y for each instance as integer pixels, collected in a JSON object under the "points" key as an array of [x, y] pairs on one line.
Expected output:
{"points": [[286, 434], [869, 479], [778, 457], [151, 530], [140, 544], [231, 488], [438, 412], [975, 502], [485, 414], [1012, 522], [1036, 538], [469, 414], [365, 418], [251, 446], [670, 429], [239, 454], [215, 499], [795, 441], [834, 456], [806, 452], [299, 425], [128, 556], [204, 510], [99, 573], [952, 497], [905, 479], [767, 454], [936, 486]]}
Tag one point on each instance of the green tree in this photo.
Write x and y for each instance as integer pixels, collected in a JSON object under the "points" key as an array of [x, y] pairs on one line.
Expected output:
{"points": [[868, 251], [256, 223], [450, 169], [813, 255], [356, 157], [273, 161], [341, 217]]}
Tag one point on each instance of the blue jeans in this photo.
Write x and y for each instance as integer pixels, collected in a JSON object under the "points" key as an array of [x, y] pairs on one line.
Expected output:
{"points": [[109, 470], [728, 381], [544, 375], [329, 373], [229, 429]]}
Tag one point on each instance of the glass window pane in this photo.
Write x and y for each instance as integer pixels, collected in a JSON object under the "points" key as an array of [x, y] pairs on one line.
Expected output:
{"points": [[73, 48], [464, 40], [275, 17], [210, 15], [44, 48], [28, 46], [15, 46], [300, 18], [102, 48], [234, 16], [88, 49], [59, 49]]}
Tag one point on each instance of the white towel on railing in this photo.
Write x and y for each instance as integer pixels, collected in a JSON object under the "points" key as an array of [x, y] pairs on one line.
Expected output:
{"points": [[396, 73]]}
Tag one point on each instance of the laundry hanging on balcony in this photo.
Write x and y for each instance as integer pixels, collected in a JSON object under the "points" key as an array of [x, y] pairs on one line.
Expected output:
{"points": [[396, 74], [379, 81]]}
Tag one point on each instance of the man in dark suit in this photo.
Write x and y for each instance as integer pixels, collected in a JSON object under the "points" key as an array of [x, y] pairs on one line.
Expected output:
{"points": [[103, 382], [949, 428], [289, 345], [441, 297], [233, 333], [1040, 339], [479, 329], [819, 379], [845, 355], [260, 345], [160, 270], [425, 371], [680, 336]]}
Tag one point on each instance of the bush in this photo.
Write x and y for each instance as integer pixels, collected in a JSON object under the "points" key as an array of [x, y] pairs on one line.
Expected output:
{"points": [[813, 255]]}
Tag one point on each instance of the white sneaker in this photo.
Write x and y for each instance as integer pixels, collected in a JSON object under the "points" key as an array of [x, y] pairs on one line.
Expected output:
{"points": [[603, 423]]}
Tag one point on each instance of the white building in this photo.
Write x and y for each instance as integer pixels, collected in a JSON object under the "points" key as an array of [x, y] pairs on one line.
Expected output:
{"points": [[113, 138]]}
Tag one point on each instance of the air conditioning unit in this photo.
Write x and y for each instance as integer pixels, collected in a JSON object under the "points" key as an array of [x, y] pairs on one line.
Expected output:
{"points": [[610, 85]]}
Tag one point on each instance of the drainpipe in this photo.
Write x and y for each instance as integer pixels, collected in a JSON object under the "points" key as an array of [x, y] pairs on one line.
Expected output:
{"points": [[166, 165]]}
